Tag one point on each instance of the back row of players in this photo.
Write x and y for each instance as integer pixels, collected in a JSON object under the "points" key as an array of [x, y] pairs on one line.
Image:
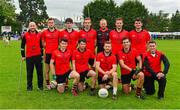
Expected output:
{"points": [[113, 47]]}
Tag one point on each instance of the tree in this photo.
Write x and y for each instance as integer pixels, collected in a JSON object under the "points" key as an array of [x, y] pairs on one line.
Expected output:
{"points": [[158, 22], [32, 10], [130, 10], [7, 11], [175, 22], [99, 9]]}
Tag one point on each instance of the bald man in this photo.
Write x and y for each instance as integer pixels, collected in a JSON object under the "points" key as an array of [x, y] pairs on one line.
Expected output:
{"points": [[102, 35], [34, 52]]}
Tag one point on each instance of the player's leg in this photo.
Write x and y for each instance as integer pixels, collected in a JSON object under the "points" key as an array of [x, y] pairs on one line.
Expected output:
{"points": [[140, 82], [126, 79], [162, 85], [101, 82], [149, 85], [29, 68], [74, 75], [47, 70], [39, 70], [60, 79], [92, 74], [115, 84], [81, 81]]}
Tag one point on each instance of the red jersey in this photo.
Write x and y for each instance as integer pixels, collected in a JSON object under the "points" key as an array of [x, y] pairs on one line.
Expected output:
{"points": [[106, 62], [81, 60], [139, 40], [116, 39], [154, 62], [51, 39], [129, 60], [62, 61], [72, 37], [32, 41], [90, 37]]}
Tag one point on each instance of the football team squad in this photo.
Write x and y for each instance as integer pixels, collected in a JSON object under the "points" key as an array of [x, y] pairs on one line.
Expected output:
{"points": [[70, 54]]}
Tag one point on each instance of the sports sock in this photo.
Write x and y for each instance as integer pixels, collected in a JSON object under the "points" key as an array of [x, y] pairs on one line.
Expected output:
{"points": [[114, 90]]}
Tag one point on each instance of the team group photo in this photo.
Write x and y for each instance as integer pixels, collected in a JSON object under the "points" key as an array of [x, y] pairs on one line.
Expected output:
{"points": [[105, 59]]}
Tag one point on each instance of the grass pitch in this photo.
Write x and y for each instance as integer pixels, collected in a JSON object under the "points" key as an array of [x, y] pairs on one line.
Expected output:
{"points": [[12, 97]]}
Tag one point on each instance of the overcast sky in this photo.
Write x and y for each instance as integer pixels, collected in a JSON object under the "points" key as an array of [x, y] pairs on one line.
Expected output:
{"points": [[71, 8]]}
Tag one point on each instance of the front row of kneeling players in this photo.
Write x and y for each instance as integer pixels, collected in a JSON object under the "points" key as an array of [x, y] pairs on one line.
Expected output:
{"points": [[106, 65]]}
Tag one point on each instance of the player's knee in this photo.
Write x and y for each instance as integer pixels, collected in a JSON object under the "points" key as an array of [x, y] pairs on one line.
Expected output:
{"points": [[60, 88], [141, 75], [80, 87]]}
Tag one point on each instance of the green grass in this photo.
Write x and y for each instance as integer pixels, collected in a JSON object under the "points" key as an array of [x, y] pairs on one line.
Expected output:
{"points": [[10, 97]]}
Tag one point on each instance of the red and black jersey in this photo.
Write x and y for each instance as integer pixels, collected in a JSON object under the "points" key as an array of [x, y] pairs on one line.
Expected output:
{"points": [[102, 36], [152, 63], [72, 37], [81, 59], [116, 40], [139, 40], [129, 60], [33, 44], [51, 40], [90, 37], [106, 62], [62, 61]]}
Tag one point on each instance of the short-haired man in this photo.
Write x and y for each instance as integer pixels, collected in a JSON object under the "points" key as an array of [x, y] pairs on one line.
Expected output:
{"points": [[60, 67], [127, 60], [70, 34], [50, 39], [139, 37], [106, 66], [33, 56], [90, 35], [152, 70], [102, 35], [80, 59], [117, 35]]}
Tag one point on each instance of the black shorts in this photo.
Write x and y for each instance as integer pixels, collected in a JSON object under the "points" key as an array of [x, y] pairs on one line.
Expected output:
{"points": [[83, 75], [100, 81], [62, 78], [126, 79], [48, 58], [91, 62]]}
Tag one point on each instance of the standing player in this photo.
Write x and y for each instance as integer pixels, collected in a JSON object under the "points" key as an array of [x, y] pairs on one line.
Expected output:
{"points": [[70, 34], [60, 67], [102, 35], [153, 71], [117, 35], [106, 65], [127, 61], [50, 39], [139, 37], [80, 60], [33, 56], [90, 35]]}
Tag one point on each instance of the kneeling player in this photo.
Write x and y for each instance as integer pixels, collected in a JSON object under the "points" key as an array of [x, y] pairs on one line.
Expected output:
{"points": [[127, 60], [60, 67], [106, 65], [80, 59]]}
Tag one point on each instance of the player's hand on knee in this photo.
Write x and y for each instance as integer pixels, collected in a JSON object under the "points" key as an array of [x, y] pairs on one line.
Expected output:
{"points": [[105, 77]]}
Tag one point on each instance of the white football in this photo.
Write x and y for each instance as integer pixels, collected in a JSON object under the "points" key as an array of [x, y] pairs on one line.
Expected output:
{"points": [[53, 84], [103, 93]]}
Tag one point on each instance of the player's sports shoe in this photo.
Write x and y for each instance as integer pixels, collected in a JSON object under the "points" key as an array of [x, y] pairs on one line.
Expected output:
{"points": [[92, 92], [140, 97], [66, 87], [114, 97], [74, 92], [160, 98]]}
